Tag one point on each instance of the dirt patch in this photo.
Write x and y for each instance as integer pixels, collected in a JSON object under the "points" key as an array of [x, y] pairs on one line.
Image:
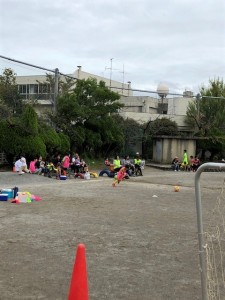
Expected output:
{"points": [[140, 237]]}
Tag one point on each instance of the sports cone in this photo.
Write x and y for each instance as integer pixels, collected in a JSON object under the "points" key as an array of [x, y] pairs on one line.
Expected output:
{"points": [[79, 285], [14, 169]]}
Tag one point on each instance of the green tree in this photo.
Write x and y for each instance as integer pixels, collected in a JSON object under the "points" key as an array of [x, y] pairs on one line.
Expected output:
{"points": [[9, 95], [132, 132], [50, 138], [163, 126], [30, 137], [206, 116], [21, 136], [64, 143], [29, 121], [103, 136], [82, 113]]}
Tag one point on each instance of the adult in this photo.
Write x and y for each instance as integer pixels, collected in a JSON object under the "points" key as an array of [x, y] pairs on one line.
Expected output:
{"points": [[72, 164], [66, 162], [109, 171], [34, 167], [107, 162], [77, 163], [117, 164], [131, 168]]}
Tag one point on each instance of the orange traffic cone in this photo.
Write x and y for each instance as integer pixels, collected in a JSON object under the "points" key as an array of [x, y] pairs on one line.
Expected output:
{"points": [[79, 285]]}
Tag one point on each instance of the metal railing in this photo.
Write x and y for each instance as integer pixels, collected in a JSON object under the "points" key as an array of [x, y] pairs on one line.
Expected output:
{"points": [[201, 242]]}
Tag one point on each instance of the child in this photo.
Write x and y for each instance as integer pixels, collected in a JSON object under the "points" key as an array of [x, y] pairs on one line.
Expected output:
{"points": [[58, 170], [192, 161], [120, 175], [137, 164], [175, 164], [196, 164]]}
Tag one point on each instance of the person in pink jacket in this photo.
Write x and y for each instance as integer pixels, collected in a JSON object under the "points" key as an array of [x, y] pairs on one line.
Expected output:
{"points": [[66, 162], [33, 168], [121, 174]]}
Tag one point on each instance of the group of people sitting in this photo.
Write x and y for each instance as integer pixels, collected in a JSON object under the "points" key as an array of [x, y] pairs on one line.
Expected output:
{"points": [[67, 165], [186, 165], [133, 167], [57, 166]]}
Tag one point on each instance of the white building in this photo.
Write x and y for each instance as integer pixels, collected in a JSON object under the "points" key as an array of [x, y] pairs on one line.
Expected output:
{"points": [[144, 108], [140, 108], [33, 87]]}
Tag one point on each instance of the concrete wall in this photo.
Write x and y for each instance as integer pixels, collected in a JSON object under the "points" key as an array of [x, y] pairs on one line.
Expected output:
{"points": [[32, 79], [142, 118], [143, 109], [139, 104], [166, 148], [178, 105]]}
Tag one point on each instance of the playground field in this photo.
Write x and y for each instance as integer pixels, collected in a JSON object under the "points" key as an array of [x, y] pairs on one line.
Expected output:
{"points": [[140, 237]]}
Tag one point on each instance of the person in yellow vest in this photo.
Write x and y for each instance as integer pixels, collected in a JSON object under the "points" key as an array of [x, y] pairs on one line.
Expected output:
{"points": [[117, 164], [137, 164]]}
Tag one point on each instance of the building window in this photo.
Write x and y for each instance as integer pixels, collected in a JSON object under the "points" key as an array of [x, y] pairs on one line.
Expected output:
{"points": [[22, 88], [33, 89], [44, 88]]}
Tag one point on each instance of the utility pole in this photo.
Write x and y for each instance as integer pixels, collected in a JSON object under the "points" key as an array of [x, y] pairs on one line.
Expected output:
{"points": [[123, 79], [56, 89], [198, 97], [110, 82]]}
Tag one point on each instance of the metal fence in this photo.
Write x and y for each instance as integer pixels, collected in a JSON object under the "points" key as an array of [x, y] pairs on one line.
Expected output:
{"points": [[201, 239]]}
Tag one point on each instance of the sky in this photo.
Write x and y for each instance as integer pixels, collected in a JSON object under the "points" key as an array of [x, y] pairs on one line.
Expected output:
{"points": [[180, 43]]}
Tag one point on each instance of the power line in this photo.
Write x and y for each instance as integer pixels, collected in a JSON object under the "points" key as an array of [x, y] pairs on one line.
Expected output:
{"points": [[146, 91], [53, 71], [212, 97], [118, 88], [35, 66], [69, 76], [27, 64]]}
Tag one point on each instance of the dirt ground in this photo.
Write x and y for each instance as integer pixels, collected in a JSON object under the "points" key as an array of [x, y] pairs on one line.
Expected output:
{"points": [[140, 237]]}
